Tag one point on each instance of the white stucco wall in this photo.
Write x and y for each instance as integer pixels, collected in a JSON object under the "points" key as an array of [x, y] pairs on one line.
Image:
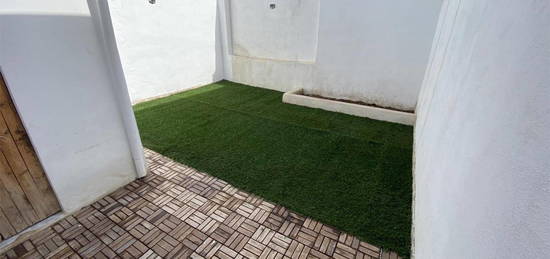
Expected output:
{"points": [[285, 31], [482, 138], [371, 51], [367, 50], [167, 47], [54, 63]]}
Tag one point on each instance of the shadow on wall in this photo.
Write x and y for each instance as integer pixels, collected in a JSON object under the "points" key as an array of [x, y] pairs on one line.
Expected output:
{"points": [[43, 34], [219, 71]]}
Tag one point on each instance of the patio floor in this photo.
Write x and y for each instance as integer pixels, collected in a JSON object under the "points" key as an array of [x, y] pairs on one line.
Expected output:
{"points": [[178, 212], [349, 172]]}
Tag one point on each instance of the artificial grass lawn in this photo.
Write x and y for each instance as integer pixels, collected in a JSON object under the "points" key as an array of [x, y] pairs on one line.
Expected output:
{"points": [[349, 172]]}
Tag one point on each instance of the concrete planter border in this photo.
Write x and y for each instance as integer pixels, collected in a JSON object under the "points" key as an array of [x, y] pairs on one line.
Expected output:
{"points": [[296, 97]]}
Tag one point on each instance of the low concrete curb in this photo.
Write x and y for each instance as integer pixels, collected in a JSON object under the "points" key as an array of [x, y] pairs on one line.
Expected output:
{"points": [[296, 97]]}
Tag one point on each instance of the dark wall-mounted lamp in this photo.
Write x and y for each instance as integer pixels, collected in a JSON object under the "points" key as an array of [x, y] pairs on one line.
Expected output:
{"points": [[152, 1]]}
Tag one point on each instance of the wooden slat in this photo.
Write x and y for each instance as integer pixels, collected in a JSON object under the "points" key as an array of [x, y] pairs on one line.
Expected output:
{"points": [[6, 230], [8, 209], [48, 203], [16, 194], [19, 169], [25, 194]]}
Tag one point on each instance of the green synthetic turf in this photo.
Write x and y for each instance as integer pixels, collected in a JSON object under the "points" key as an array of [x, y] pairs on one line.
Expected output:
{"points": [[350, 172]]}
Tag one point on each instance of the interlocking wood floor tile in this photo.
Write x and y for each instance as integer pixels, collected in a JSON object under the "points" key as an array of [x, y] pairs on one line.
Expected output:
{"points": [[274, 221], [226, 253], [194, 240], [179, 212], [306, 236]]}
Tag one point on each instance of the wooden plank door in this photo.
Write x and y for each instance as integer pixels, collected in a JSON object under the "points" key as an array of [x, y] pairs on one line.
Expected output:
{"points": [[26, 196]]}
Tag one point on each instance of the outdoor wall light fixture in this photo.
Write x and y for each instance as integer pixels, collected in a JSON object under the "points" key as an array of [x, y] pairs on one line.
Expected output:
{"points": [[272, 6], [152, 1]]}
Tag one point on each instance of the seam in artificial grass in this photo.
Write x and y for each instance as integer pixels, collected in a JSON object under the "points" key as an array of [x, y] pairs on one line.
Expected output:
{"points": [[284, 122]]}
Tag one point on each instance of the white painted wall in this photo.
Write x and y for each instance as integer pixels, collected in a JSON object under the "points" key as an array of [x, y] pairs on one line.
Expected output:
{"points": [[482, 174], [367, 50], [286, 31], [372, 51], [55, 66], [167, 47]]}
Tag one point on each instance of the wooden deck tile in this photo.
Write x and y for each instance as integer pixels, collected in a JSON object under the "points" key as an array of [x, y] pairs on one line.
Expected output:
{"points": [[179, 212]]}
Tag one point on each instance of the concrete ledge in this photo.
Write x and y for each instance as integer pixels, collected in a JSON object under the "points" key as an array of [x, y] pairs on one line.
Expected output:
{"points": [[376, 113]]}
